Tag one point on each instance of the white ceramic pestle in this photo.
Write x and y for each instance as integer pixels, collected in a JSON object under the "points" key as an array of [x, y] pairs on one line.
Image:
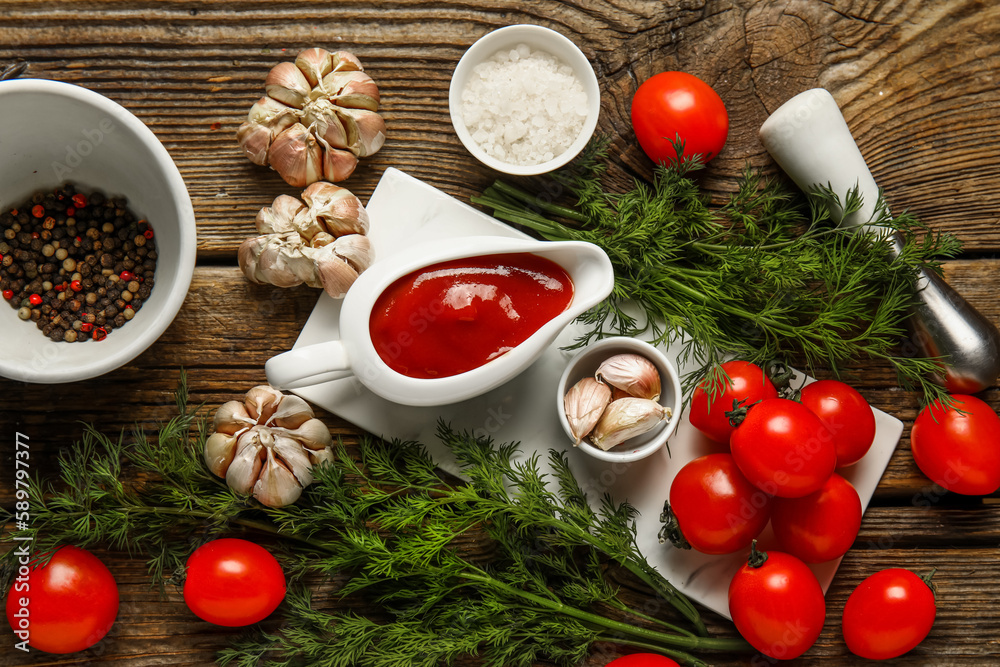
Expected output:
{"points": [[808, 137]]}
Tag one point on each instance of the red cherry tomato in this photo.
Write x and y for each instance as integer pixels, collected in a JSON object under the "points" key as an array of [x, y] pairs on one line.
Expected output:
{"points": [[777, 605], [64, 606], [820, 526], [888, 614], [747, 385], [643, 660], [846, 414], [672, 105], [960, 452], [717, 510], [233, 582], [783, 448]]}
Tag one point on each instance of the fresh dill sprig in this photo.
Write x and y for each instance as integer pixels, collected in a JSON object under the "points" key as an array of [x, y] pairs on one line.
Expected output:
{"points": [[382, 524], [760, 278], [90, 504]]}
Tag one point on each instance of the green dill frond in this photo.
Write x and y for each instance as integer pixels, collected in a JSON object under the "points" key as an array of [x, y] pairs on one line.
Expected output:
{"points": [[381, 524], [763, 277]]}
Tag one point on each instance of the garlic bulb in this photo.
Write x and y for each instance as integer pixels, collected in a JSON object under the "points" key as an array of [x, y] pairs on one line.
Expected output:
{"points": [[267, 445], [584, 403], [321, 242], [627, 418], [634, 374], [319, 115]]}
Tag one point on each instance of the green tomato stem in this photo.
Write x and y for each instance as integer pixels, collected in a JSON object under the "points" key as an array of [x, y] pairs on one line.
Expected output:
{"points": [[757, 558]]}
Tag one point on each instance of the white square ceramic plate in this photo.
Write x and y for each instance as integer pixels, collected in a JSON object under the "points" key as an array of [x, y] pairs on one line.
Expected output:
{"points": [[404, 210]]}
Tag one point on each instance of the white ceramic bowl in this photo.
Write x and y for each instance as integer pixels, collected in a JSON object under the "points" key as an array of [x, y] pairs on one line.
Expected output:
{"points": [[537, 38], [55, 133], [354, 354], [585, 364]]}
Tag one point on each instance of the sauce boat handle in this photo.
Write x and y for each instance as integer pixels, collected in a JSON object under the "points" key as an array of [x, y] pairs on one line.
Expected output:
{"points": [[308, 365]]}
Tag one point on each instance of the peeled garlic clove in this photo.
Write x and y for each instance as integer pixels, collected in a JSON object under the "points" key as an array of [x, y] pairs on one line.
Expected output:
{"points": [[314, 63], [627, 418], [220, 448], [365, 130], [335, 275], [231, 417], [632, 373], [297, 156], [245, 467], [262, 401], [356, 250], [292, 412], [584, 403], [337, 208], [276, 486], [286, 83]]}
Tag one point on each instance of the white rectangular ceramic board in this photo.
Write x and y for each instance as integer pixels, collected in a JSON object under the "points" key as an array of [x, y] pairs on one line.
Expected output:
{"points": [[405, 210]]}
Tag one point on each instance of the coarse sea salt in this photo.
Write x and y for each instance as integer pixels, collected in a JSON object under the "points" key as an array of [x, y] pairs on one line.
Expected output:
{"points": [[523, 107]]}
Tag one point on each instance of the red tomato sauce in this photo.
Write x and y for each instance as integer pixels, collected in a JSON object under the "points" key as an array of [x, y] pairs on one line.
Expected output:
{"points": [[454, 316]]}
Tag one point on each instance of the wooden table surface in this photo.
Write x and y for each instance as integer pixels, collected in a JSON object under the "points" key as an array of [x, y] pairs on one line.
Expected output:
{"points": [[918, 85]]}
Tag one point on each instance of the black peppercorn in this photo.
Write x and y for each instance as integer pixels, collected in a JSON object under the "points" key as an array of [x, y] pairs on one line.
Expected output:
{"points": [[59, 269]]}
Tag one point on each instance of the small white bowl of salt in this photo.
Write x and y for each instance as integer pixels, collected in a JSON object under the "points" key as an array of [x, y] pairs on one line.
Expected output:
{"points": [[524, 100]]}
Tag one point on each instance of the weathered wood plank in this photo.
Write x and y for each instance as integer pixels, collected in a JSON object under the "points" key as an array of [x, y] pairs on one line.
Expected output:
{"points": [[897, 71]]}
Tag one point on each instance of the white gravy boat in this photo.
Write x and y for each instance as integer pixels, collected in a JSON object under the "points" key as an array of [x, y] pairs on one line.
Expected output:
{"points": [[354, 354]]}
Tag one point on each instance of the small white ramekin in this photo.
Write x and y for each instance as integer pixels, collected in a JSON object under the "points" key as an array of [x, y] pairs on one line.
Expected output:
{"points": [[540, 39], [54, 133], [585, 364]]}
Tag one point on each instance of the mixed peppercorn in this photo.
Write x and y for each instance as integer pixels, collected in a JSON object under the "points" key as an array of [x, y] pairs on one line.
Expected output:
{"points": [[78, 265]]}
